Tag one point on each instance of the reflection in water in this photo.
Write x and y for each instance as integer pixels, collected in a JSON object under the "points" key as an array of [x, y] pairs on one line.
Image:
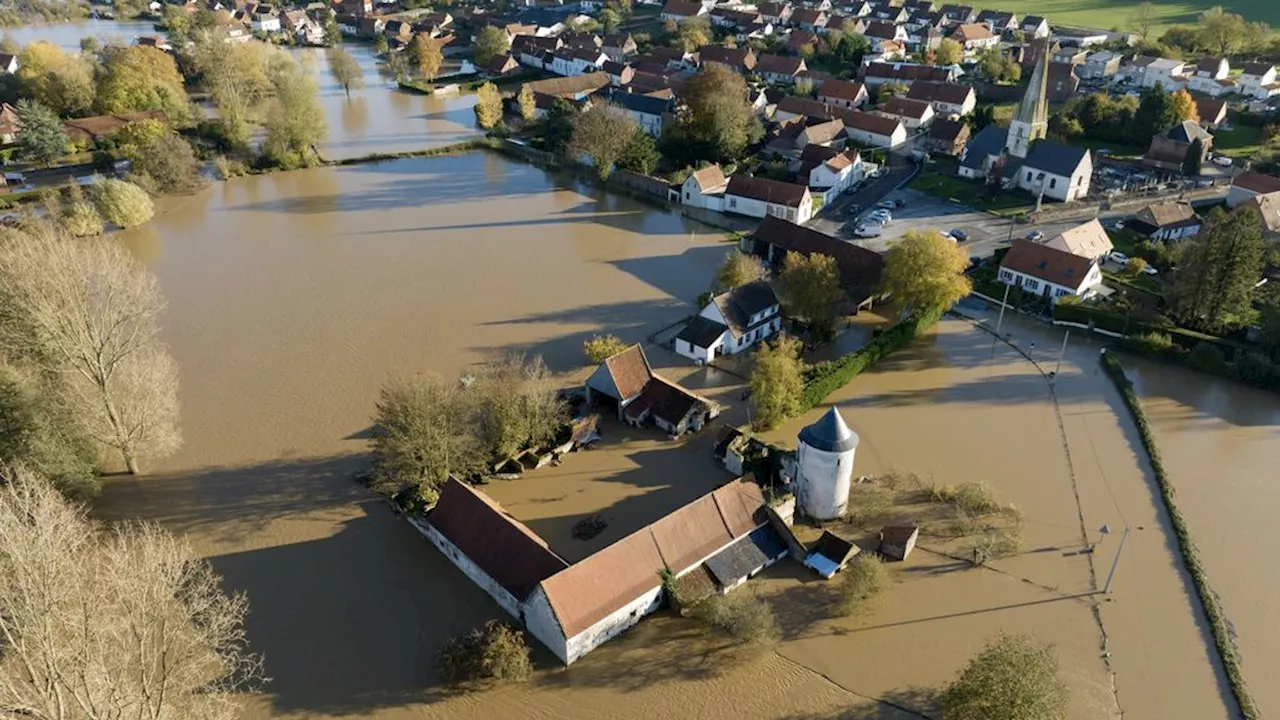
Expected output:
{"points": [[68, 35], [355, 116]]}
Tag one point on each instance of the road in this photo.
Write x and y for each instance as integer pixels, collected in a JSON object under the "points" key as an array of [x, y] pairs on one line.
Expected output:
{"points": [[833, 216]]}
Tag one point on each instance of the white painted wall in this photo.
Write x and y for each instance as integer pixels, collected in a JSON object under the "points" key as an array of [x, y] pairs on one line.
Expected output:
{"points": [[823, 480], [620, 621], [505, 600], [1038, 286], [541, 623]]}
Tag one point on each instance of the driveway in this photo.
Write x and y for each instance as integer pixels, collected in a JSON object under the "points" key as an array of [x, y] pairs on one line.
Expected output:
{"points": [[834, 215]]}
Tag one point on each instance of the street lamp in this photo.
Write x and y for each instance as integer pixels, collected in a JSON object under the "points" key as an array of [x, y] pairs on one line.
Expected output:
{"points": [[1106, 530]]}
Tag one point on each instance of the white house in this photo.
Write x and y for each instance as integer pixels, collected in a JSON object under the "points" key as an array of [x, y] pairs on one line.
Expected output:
{"points": [[1258, 80], [731, 323], [1049, 272], [831, 171], [843, 93], [760, 197], [1099, 65], [975, 38], [875, 130], [1171, 74], [265, 20], [999, 22], [914, 114], [1057, 171], [1165, 221], [1088, 240], [649, 111], [678, 10], [948, 99], [1249, 185], [1035, 26], [705, 189], [779, 69], [1210, 77]]}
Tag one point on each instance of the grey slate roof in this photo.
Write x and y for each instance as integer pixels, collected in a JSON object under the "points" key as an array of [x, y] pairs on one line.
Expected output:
{"points": [[1188, 131], [1054, 157], [740, 303], [830, 433], [701, 332], [989, 141], [636, 102], [745, 556]]}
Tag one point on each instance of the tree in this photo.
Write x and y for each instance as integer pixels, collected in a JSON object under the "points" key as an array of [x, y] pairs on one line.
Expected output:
{"points": [[811, 288], [737, 270], [558, 126], [851, 48], [1184, 107], [128, 9], [777, 382], [381, 46], [694, 33], [610, 20], [716, 123], [496, 654], [90, 46], [139, 77], [1221, 31], [345, 70], [741, 616], [519, 405], [40, 138], [488, 106], [1143, 19], [863, 578], [76, 215], [162, 160], [1186, 38], [425, 56], [528, 103], [295, 123], [926, 270], [119, 382], [425, 430], [236, 76], [127, 622], [983, 115], [1155, 113], [602, 347], [1213, 285], [490, 43], [332, 31], [36, 433], [9, 45], [121, 203], [995, 66], [63, 83], [949, 52], [640, 154], [1194, 158], [598, 133], [1013, 678]]}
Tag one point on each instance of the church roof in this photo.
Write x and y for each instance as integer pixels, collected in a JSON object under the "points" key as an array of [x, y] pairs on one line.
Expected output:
{"points": [[1034, 107], [1054, 157], [830, 433]]}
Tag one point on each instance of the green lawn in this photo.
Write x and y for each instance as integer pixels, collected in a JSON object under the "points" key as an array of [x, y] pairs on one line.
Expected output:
{"points": [[1239, 141], [1117, 149], [967, 192], [1107, 14]]}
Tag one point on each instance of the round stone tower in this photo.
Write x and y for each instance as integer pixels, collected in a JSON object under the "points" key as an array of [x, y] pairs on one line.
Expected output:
{"points": [[824, 466]]}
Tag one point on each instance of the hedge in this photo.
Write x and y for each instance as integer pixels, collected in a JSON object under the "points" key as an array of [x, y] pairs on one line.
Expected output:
{"points": [[825, 378], [1190, 555]]}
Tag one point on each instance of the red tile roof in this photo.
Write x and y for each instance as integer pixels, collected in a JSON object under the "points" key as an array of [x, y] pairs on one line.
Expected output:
{"points": [[630, 371], [1046, 263], [1257, 182]]}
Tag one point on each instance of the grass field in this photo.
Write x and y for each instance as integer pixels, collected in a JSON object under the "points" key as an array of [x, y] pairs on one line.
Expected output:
{"points": [[1107, 14], [1239, 141]]}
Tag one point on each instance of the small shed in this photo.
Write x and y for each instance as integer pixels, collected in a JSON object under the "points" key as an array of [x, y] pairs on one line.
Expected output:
{"points": [[897, 541], [747, 556], [830, 554]]}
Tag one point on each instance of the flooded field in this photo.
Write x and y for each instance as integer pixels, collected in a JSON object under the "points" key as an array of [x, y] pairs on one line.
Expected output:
{"points": [[68, 35]]}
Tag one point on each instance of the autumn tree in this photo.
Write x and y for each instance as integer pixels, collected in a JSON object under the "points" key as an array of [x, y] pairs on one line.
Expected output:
{"points": [[1220, 266], [811, 289], [120, 622], [75, 214], [381, 46], [737, 270], [601, 347], [61, 82], [528, 103], [1184, 107], [1014, 677], [344, 69], [600, 133], [139, 77], [1143, 19], [37, 433], [716, 123], [236, 77], [41, 138], [425, 56], [694, 33], [122, 203], [777, 382], [488, 106], [104, 346], [491, 42], [425, 430], [295, 123], [128, 9], [162, 161], [949, 52], [519, 405], [926, 270], [1221, 31]]}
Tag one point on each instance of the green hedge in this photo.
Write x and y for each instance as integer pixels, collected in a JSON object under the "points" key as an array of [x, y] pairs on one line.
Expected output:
{"points": [[1187, 546], [825, 378]]}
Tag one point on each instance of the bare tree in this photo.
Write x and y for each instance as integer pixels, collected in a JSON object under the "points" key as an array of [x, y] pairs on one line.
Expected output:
{"points": [[1143, 19], [520, 405], [345, 69], [93, 312], [126, 623]]}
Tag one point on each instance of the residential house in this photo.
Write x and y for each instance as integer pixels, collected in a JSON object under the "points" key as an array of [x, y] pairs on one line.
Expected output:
{"points": [[860, 269], [856, 8], [530, 49], [1165, 72], [925, 31], [650, 112], [1165, 221], [266, 19], [843, 93], [154, 41], [1169, 150], [881, 31], [1049, 272], [1258, 80], [678, 10], [1212, 111], [797, 40], [705, 189], [1062, 82], [876, 74], [569, 88], [887, 51], [502, 65], [10, 124], [948, 137], [974, 38], [892, 14], [829, 170], [791, 107], [1085, 37], [822, 133], [731, 322], [620, 74], [348, 24], [919, 6], [1054, 170], [998, 22], [1250, 184], [815, 21], [618, 46], [1068, 55], [914, 114], [761, 197], [1267, 209], [982, 152], [776, 13], [958, 14], [626, 381], [1088, 240], [875, 130], [1210, 77], [948, 99], [400, 32], [89, 130], [671, 58], [1035, 26], [301, 27], [778, 68], [741, 60], [1099, 65]]}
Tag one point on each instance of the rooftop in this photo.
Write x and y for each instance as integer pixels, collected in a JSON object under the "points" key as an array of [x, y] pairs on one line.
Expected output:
{"points": [[1047, 263]]}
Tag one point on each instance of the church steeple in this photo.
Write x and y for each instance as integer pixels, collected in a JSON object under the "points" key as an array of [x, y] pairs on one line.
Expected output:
{"points": [[1032, 120]]}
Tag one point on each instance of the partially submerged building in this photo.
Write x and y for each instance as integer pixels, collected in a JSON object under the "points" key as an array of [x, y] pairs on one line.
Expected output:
{"points": [[626, 381]]}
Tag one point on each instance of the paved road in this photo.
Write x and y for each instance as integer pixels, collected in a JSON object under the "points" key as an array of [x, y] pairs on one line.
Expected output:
{"points": [[832, 217]]}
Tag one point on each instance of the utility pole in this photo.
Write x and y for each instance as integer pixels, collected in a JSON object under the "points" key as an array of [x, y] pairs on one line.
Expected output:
{"points": [[1003, 304], [1106, 589], [1061, 352]]}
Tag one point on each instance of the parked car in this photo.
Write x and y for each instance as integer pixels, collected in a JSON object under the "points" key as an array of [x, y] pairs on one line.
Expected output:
{"points": [[867, 230], [886, 205], [881, 216], [1035, 236], [15, 178], [1149, 270], [1222, 161], [946, 236], [1118, 258], [959, 235]]}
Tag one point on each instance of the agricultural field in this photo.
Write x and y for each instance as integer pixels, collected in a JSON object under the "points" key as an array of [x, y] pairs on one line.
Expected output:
{"points": [[1115, 13]]}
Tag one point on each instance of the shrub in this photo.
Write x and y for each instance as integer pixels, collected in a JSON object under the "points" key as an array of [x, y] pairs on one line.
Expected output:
{"points": [[1014, 678], [1256, 369], [495, 654], [822, 380], [997, 543], [1153, 343], [1207, 358], [122, 203], [863, 578], [741, 616], [976, 499], [601, 347], [80, 218]]}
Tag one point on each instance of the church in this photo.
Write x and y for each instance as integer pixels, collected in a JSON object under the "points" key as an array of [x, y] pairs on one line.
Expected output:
{"points": [[1023, 156]]}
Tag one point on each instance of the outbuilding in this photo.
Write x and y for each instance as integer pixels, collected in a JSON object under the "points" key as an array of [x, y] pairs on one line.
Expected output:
{"points": [[731, 322], [897, 541]]}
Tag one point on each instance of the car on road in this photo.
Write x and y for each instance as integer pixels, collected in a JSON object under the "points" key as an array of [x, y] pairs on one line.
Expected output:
{"points": [[884, 217], [886, 205], [1118, 258], [946, 236], [1035, 236], [959, 235], [867, 230]]}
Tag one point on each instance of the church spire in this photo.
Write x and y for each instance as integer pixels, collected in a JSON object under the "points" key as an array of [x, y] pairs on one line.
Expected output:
{"points": [[1032, 120]]}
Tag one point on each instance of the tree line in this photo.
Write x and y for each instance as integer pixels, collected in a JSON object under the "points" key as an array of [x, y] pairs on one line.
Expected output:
{"points": [[1124, 118]]}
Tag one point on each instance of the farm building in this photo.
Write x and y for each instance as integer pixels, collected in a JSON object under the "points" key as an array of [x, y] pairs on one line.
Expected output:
{"points": [[627, 382]]}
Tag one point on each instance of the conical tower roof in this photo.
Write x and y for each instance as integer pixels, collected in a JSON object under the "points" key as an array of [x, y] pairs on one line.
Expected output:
{"points": [[830, 433], [1034, 107]]}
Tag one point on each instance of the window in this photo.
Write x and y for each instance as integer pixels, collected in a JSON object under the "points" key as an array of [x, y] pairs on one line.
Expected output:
{"points": [[733, 202], [1033, 284], [1053, 183], [1006, 275], [1028, 176], [687, 195]]}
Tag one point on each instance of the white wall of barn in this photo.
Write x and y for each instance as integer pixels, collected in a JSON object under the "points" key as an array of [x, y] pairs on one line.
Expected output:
{"points": [[505, 600], [542, 624]]}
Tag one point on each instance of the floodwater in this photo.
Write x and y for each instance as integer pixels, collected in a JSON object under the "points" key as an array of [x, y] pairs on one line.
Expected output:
{"points": [[1220, 443], [68, 35]]}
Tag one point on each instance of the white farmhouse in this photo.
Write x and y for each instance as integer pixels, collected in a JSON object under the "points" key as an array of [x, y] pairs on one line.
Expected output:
{"points": [[705, 189], [1258, 80], [1057, 171], [761, 197], [874, 130], [1211, 77], [914, 114], [731, 322], [830, 170], [1049, 272], [265, 20]]}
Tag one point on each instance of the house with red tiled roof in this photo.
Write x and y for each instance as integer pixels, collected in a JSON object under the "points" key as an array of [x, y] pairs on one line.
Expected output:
{"points": [[627, 382], [843, 93], [1251, 184], [1049, 272]]}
